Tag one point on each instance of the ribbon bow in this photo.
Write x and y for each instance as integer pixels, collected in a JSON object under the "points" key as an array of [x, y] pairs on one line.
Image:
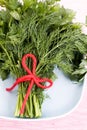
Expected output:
{"points": [[31, 76]]}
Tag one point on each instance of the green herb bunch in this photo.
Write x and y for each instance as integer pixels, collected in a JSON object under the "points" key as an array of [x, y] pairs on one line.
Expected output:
{"points": [[46, 30]]}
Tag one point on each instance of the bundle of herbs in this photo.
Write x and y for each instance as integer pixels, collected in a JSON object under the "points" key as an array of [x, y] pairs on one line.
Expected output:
{"points": [[46, 30]]}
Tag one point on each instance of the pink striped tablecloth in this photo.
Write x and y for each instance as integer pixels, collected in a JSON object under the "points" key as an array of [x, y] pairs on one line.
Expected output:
{"points": [[76, 120]]}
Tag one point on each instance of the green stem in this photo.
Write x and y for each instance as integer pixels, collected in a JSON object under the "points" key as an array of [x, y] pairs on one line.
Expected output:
{"points": [[19, 100], [36, 106], [18, 106], [31, 105], [32, 108]]}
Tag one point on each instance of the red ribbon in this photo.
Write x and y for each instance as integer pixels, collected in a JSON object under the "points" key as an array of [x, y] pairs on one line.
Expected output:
{"points": [[31, 76]]}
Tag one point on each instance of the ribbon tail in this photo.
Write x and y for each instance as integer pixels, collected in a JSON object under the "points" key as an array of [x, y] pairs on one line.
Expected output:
{"points": [[12, 87], [19, 80], [26, 97]]}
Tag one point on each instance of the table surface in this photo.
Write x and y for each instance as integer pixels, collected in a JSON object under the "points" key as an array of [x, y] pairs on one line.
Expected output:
{"points": [[77, 119]]}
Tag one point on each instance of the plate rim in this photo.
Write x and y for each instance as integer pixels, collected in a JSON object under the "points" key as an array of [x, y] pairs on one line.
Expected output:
{"points": [[54, 117]]}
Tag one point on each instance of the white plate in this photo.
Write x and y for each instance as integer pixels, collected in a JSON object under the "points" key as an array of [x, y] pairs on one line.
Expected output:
{"points": [[63, 97]]}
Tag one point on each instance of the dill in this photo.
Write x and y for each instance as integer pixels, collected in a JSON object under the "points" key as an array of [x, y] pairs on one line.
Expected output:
{"points": [[46, 30]]}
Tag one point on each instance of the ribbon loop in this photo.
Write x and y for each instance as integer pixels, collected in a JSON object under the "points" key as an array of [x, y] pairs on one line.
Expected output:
{"points": [[30, 77], [33, 64]]}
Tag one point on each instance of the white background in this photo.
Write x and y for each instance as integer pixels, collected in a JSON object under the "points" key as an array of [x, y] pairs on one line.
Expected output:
{"points": [[79, 6]]}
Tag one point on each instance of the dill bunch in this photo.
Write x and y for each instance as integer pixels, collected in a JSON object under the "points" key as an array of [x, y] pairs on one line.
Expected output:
{"points": [[46, 30]]}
